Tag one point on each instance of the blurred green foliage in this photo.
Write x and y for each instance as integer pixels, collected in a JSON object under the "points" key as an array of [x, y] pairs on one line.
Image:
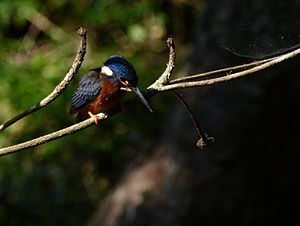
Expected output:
{"points": [[60, 183]]}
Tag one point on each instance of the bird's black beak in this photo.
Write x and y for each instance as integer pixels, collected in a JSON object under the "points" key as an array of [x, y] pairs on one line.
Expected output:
{"points": [[142, 98], [128, 87], [139, 94]]}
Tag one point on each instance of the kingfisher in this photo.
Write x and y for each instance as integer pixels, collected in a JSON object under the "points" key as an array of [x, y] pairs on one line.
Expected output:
{"points": [[103, 88]]}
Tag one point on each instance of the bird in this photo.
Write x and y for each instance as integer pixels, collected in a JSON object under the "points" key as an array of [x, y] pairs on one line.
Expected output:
{"points": [[103, 88]]}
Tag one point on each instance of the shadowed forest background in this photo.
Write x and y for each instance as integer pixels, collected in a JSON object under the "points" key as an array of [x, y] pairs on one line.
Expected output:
{"points": [[144, 169]]}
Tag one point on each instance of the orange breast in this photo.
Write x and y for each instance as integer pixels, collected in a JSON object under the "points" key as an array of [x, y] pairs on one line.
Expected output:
{"points": [[109, 96]]}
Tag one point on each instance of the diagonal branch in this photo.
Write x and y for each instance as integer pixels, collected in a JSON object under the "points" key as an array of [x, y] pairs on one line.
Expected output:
{"points": [[59, 88], [49, 137]]}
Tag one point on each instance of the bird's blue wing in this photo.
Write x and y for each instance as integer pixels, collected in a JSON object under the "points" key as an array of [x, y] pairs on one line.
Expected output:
{"points": [[88, 89]]}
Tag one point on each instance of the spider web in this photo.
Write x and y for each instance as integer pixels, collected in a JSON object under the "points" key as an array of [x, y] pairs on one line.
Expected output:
{"points": [[266, 28]]}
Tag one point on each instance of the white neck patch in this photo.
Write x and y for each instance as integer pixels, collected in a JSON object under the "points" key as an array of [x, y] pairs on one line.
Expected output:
{"points": [[105, 70]]}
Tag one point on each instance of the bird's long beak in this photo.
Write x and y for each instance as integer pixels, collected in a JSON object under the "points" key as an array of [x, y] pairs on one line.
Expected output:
{"points": [[128, 87], [140, 95]]}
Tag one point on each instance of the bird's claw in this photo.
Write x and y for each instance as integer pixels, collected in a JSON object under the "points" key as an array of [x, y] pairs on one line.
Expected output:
{"points": [[97, 117]]}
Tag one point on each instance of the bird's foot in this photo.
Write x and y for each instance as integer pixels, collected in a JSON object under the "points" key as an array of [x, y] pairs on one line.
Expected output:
{"points": [[97, 117]]}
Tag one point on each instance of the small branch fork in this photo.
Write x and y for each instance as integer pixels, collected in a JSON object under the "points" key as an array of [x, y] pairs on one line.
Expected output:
{"points": [[162, 84]]}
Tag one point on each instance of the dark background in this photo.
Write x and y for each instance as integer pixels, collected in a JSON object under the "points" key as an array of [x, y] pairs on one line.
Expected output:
{"points": [[144, 169]]}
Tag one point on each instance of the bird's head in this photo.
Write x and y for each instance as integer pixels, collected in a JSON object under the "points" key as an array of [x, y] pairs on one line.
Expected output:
{"points": [[127, 75], [123, 69]]}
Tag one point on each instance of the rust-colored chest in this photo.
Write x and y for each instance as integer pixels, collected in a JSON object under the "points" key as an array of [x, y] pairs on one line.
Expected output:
{"points": [[109, 96]]}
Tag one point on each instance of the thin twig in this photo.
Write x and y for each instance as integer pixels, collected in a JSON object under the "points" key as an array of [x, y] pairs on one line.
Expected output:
{"points": [[204, 140], [209, 73], [59, 88]]}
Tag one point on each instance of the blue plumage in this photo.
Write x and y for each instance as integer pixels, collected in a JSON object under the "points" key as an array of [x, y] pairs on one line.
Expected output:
{"points": [[88, 89]]}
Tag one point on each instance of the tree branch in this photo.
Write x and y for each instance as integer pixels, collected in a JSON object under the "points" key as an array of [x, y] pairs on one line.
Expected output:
{"points": [[165, 77], [59, 88], [162, 84], [210, 73], [51, 136], [227, 77]]}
